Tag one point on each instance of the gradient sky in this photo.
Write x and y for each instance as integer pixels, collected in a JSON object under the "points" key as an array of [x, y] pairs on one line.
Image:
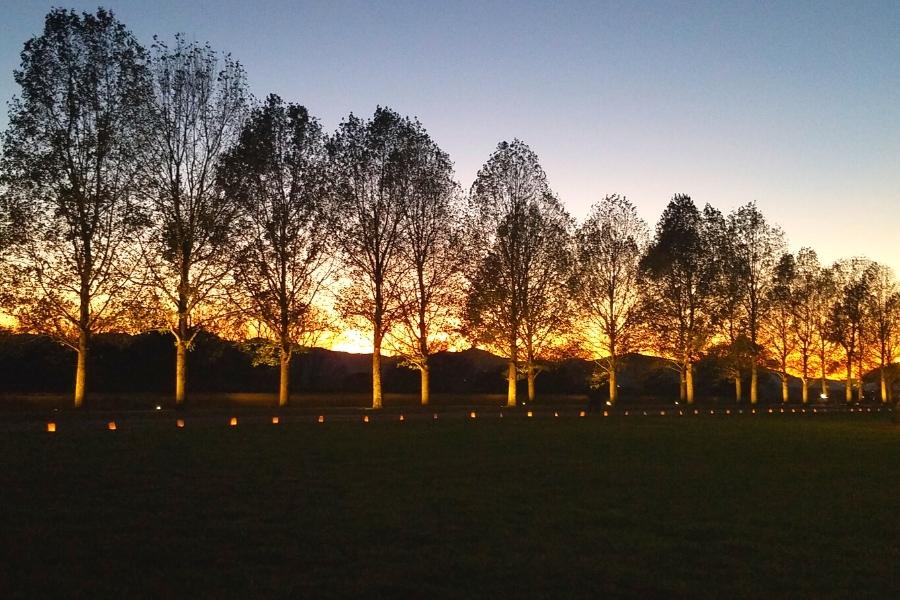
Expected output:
{"points": [[794, 105]]}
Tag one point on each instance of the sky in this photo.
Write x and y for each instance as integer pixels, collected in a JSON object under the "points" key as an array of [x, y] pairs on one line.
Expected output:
{"points": [[793, 105]]}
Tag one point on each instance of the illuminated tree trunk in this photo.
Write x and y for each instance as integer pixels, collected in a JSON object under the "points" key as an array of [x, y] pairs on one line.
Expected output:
{"points": [[754, 382], [613, 387], [689, 383], [284, 384], [805, 390], [531, 391], [784, 389], [824, 371], [180, 370], [424, 375], [848, 384], [81, 369], [884, 395], [376, 371], [511, 375], [738, 389], [682, 388], [860, 392]]}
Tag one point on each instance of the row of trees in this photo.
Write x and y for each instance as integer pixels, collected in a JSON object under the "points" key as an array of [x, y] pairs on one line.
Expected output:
{"points": [[148, 190]]}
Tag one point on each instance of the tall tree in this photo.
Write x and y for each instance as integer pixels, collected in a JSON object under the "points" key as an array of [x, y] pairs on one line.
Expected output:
{"points": [[610, 244], [70, 155], [431, 235], [507, 204], [547, 286], [757, 247], [275, 176], [200, 100], [826, 296], [729, 318], [372, 167], [679, 274], [780, 325], [807, 296], [883, 309], [847, 315]]}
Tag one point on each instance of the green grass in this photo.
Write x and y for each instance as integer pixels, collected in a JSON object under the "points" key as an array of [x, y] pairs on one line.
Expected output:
{"points": [[749, 507]]}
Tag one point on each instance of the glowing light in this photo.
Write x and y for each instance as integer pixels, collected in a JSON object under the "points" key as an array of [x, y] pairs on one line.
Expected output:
{"points": [[51, 427], [158, 407], [233, 422], [365, 418], [696, 412], [680, 413], [275, 420], [472, 415], [582, 414], [662, 413], [321, 418], [555, 414], [529, 414], [434, 417], [605, 414], [727, 411], [609, 402], [179, 423], [770, 411], [823, 396], [111, 425], [626, 413], [401, 417]]}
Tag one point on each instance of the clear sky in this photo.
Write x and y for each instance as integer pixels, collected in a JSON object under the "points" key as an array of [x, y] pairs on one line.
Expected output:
{"points": [[795, 105]]}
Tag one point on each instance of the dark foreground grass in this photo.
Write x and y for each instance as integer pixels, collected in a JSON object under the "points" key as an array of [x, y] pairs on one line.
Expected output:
{"points": [[753, 507]]}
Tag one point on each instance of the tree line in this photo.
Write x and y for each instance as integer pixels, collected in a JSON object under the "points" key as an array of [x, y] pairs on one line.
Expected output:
{"points": [[146, 189]]}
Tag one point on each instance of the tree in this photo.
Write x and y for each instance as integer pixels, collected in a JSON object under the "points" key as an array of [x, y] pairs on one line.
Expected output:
{"points": [[547, 286], [780, 324], [610, 244], [807, 298], [883, 309], [274, 174], [730, 321], [372, 166], [679, 279], [430, 241], [826, 296], [508, 204], [70, 155], [200, 100], [757, 246], [847, 316]]}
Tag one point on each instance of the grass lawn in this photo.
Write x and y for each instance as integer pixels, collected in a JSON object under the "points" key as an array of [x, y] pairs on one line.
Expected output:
{"points": [[701, 506]]}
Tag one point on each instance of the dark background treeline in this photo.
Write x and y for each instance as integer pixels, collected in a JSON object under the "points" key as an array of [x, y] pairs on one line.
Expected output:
{"points": [[143, 364]]}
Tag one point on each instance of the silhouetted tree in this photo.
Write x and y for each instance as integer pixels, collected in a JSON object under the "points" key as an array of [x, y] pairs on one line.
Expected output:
{"points": [[779, 326], [372, 174], [70, 155], [275, 175], [883, 309], [610, 244], [679, 282], [430, 249], [757, 247], [507, 203], [734, 350], [847, 315], [807, 295], [200, 102]]}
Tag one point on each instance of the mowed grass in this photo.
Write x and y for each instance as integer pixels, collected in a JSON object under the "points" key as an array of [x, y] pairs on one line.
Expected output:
{"points": [[635, 507]]}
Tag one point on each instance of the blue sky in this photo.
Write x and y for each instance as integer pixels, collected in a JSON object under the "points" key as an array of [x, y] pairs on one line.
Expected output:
{"points": [[794, 105]]}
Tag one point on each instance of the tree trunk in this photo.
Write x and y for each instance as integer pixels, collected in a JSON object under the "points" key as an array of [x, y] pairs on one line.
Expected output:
{"points": [[613, 387], [682, 390], [805, 390], [848, 384], [689, 383], [784, 389], [376, 370], [424, 375], [511, 374], [884, 395], [531, 391], [738, 390], [284, 384], [81, 369], [860, 390], [180, 371], [754, 382]]}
